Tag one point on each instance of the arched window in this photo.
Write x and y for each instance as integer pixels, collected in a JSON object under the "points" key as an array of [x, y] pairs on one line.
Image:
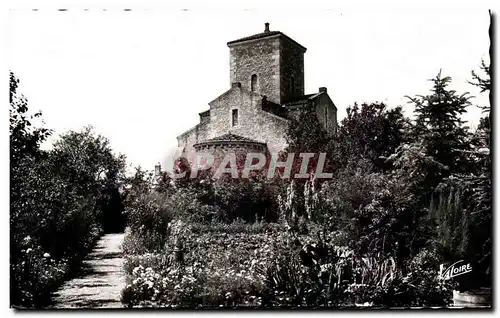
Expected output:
{"points": [[253, 83], [292, 85]]}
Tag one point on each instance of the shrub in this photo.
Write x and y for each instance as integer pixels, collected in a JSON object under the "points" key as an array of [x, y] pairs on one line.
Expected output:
{"points": [[320, 274], [147, 217]]}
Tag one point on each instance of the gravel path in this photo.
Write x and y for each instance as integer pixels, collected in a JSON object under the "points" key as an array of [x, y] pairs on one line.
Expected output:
{"points": [[101, 280]]}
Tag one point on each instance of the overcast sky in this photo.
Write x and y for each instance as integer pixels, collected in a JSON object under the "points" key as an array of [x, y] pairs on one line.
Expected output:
{"points": [[141, 77]]}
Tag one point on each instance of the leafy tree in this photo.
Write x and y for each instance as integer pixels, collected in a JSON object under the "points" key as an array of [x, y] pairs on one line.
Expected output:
{"points": [[25, 139], [182, 170], [461, 200], [305, 133], [370, 131], [92, 169]]}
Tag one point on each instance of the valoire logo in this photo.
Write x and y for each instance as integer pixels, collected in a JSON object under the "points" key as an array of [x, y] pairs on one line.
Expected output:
{"points": [[456, 269]]}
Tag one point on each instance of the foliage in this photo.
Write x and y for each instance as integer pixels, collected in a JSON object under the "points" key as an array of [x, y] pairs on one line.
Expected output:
{"points": [[482, 81], [58, 202], [442, 131], [305, 133], [462, 204], [268, 267], [247, 199], [370, 131], [220, 268]]}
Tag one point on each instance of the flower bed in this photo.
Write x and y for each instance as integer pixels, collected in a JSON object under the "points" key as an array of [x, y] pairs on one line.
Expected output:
{"points": [[267, 266]]}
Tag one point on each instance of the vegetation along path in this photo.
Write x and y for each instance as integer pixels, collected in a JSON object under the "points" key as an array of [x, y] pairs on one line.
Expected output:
{"points": [[101, 280]]}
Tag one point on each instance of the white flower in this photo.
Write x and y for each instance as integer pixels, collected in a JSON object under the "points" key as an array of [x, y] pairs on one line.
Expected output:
{"points": [[135, 271], [484, 151], [29, 250], [46, 255]]}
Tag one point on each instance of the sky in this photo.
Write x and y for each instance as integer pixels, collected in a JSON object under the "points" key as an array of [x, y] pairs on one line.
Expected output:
{"points": [[141, 77]]}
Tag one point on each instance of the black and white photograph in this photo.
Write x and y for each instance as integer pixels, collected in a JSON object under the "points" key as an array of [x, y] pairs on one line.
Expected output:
{"points": [[258, 157]]}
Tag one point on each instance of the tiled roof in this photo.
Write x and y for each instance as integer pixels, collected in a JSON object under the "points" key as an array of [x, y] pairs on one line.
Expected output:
{"points": [[264, 35], [274, 108], [255, 36], [231, 137], [301, 99]]}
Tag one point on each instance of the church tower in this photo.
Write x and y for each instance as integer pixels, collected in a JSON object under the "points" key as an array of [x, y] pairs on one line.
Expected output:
{"points": [[268, 63], [266, 90]]}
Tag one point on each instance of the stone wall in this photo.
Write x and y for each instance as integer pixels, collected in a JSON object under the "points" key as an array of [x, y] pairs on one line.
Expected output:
{"points": [[327, 113], [220, 150], [253, 122], [292, 68], [193, 136], [260, 57], [276, 60]]}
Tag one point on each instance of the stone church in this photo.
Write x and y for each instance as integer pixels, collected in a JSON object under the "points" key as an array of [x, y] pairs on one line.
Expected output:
{"points": [[267, 87]]}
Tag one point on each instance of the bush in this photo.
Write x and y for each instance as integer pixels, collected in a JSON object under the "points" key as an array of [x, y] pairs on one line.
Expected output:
{"points": [[35, 274], [420, 286], [226, 200], [319, 274], [147, 217]]}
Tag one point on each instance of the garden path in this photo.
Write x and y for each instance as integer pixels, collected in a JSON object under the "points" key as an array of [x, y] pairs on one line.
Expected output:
{"points": [[100, 281]]}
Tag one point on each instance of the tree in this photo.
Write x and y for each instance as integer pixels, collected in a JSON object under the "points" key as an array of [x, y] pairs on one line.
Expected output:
{"points": [[370, 131], [474, 189], [484, 83], [305, 133], [461, 204], [435, 150], [87, 162], [25, 139], [441, 130], [25, 158]]}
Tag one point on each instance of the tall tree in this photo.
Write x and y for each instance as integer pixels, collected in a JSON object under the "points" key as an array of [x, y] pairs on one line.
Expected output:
{"points": [[442, 131], [461, 204]]}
